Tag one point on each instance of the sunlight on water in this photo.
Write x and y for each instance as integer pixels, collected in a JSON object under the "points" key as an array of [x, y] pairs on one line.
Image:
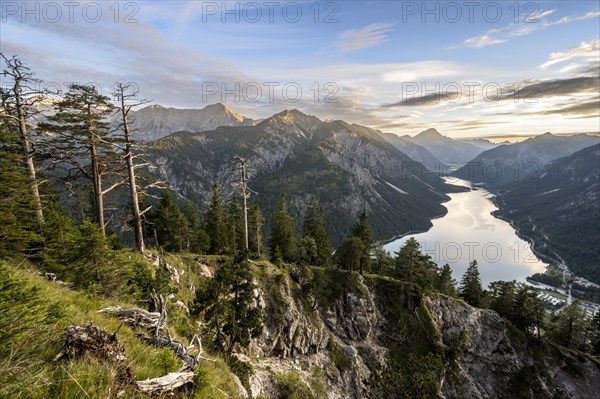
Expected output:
{"points": [[469, 231]]}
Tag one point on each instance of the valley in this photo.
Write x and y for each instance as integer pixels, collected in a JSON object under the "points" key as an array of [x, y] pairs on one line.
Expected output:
{"points": [[299, 200]]}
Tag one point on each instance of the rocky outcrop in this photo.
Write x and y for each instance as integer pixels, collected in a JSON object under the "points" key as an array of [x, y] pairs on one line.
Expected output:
{"points": [[337, 350]]}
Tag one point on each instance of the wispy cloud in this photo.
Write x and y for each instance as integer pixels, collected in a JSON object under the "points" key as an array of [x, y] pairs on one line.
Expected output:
{"points": [[535, 23], [369, 36], [585, 50]]}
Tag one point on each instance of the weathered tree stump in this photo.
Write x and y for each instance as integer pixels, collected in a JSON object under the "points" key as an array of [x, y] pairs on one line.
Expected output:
{"points": [[96, 342]]}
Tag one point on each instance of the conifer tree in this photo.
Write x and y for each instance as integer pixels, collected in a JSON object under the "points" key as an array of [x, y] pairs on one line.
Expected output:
{"points": [[283, 233], [225, 303], [446, 283], [17, 107], [235, 227], [596, 334], [567, 327], [171, 226], [255, 230], [350, 253], [414, 266], [82, 141], [362, 230], [18, 225], [314, 228], [470, 286], [383, 262], [215, 224]]}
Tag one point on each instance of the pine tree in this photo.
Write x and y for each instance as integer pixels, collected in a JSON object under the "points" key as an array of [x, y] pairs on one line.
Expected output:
{"points": [[446, 284], [83, 142], [255, 228], [362, 230], [470, 286], [283, 233], [214, 223], [314, 228]]}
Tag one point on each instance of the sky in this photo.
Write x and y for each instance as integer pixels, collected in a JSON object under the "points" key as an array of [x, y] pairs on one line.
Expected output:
{"points": [[468, 69]]}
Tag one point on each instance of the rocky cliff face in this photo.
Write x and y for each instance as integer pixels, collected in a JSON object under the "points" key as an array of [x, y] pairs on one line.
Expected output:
{"points": [[356, 343]]}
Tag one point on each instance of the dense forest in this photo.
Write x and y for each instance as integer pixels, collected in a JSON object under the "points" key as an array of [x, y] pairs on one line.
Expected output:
{"points": [[60, 175]]}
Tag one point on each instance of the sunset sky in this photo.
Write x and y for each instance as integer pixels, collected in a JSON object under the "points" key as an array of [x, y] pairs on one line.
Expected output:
{"points": [[399, 66]]}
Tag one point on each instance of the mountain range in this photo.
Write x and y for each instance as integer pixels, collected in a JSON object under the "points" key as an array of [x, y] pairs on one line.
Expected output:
{"points": [[156, 121], [560, 211], [415, 151], [523, 161], [347, 167], [449, 151]]}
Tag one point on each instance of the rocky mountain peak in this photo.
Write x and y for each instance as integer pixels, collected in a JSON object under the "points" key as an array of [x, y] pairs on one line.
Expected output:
{"points": [[430, 133]]}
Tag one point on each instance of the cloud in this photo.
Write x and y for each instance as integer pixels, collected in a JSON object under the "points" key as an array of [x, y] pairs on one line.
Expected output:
{"points": [[369, 36], [554, 88], [587, 50], [427, 100], [533, 24]]}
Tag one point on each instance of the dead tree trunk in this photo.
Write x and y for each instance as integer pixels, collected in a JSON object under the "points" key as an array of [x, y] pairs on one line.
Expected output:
{"points": [[19, 72], [124, 109]]}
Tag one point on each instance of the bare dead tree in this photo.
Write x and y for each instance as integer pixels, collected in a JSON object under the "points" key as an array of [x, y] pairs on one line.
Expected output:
{"points": [[18, 108], [126, 99]]}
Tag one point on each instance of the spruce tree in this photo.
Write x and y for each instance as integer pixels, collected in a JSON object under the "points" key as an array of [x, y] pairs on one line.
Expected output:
{"points": [[255, 230], [470, 286], [214, 223], [171, 227], [362, 230], [414, 266], [383, 262], [567, 327], [314, 228], [17, 108], [446, 284], [235, 227], [18, 224], [350, 253], [283, 234]]}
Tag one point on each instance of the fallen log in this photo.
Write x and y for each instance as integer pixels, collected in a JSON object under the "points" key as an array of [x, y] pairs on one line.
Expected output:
{"points": [[180, 350], [136, 317], [166, 383]]}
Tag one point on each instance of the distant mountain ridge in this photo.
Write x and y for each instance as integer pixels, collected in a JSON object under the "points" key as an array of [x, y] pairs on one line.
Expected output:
{"points": [[522, 161], [560, 211], [347, 167], [447, 150], [415, 151], [156, 121]]}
